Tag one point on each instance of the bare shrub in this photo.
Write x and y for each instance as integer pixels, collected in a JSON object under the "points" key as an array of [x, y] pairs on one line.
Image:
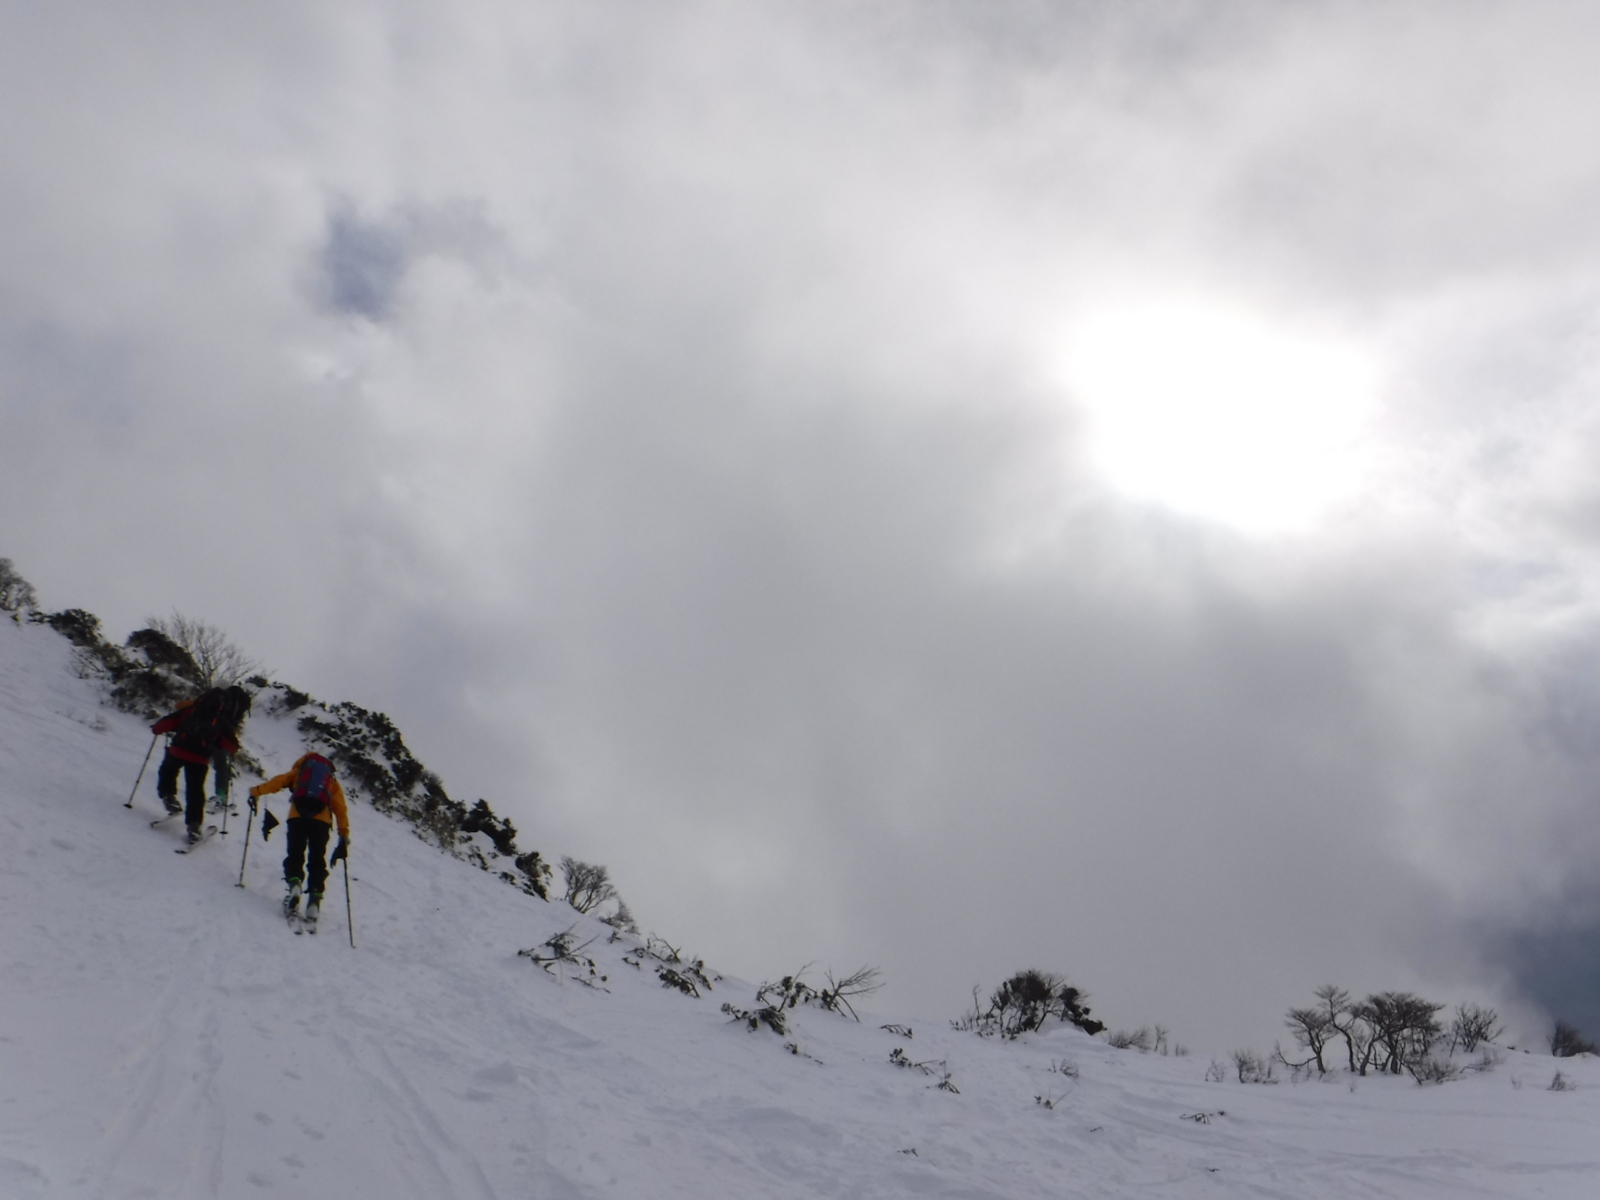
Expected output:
{"points": [[1217, 1072], [837, 995], [684, 982], [900, 1058], [1252, 1067], [1472, 1025], [789, 992], [565, 952], [1485, 1062], [1434, 1070], [769, 1015], [1562, 1084], [1567, 1042], [1138, 1039], [219, 662]]}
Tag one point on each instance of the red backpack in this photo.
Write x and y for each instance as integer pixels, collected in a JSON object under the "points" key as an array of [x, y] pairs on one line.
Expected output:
{"points": [[312, 785]]}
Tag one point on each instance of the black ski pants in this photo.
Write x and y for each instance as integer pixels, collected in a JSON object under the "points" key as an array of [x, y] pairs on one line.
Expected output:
{"points": [[194, 784], [308, 838]]}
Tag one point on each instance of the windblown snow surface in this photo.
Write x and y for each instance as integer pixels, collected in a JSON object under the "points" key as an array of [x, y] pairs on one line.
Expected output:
{"points": [[166, 1036]]}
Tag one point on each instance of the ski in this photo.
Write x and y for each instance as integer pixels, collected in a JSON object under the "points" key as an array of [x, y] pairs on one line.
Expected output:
{"points": [[204, 838], [160, 821]]}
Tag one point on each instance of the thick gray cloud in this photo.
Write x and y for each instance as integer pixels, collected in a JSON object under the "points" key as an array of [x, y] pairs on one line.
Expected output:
{"points": [[658, 411]]}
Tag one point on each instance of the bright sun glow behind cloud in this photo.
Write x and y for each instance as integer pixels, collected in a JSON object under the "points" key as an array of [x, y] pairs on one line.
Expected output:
{"points": [[1220, 413]]}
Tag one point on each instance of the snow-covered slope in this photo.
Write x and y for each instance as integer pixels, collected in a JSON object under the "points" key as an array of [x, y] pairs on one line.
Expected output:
{"points": [[165, 1036]]}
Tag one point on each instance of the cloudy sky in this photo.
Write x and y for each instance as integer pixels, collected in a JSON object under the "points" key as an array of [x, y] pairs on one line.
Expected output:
{"points": [[1100, 485]]}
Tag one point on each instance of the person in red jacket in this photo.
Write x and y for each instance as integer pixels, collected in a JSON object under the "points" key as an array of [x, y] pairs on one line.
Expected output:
{"points": [[204, 729], [316, 801]]}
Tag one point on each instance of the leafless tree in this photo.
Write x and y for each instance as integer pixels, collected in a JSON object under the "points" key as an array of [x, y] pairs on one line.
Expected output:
{"points": [[1404, 1028], [1344, 1019], [1567, 1042], [587, 884], [219, 661], [1313, 1029]]}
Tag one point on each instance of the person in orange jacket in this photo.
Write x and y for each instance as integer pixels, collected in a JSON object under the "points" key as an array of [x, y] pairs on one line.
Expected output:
{"points": [[205, 730], [316, 802]]}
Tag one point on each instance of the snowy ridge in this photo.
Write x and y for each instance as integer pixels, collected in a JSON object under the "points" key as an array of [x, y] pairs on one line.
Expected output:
{"points": [[166, 1037]]}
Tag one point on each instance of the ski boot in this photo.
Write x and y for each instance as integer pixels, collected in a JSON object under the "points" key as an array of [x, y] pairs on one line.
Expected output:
{"points": [[313, 908], [195, 834], [291, 902], [173, 806]]}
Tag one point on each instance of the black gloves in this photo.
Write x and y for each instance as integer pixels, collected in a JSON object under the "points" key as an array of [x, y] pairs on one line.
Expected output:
{"points": [[340, 851]]}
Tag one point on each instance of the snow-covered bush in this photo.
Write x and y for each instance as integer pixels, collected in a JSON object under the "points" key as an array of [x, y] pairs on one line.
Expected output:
{"points": [[537, 873], [16, 593]]}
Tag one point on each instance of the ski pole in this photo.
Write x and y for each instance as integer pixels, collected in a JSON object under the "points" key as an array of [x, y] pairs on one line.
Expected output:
{"points": [[349, 914], [246, 854], [142, 766], [223, 774]]}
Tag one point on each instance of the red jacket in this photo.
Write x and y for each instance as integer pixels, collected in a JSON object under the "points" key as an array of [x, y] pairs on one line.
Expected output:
{"points": [[170, 723]]}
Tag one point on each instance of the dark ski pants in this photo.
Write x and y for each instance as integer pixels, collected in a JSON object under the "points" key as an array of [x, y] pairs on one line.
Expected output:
{"points": [[194, 784], [308, 837]]}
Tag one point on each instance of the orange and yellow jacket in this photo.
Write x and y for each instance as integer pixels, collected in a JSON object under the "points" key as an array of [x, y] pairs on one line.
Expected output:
{"points": [[335, 806]]}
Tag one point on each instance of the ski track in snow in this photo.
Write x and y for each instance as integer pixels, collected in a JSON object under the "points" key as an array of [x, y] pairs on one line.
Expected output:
{"points": [[169, 1038]]}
